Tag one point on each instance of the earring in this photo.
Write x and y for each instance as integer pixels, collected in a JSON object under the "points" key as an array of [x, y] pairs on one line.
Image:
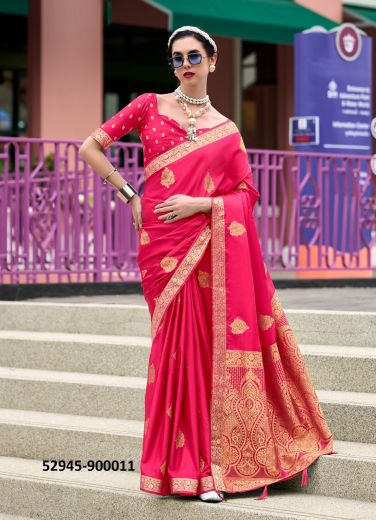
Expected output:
{"points": [[175, 72], [212, 68]]}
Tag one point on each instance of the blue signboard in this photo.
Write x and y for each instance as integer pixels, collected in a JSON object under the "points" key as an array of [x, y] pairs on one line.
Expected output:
{"points": [[333, 81], [303, 131]]}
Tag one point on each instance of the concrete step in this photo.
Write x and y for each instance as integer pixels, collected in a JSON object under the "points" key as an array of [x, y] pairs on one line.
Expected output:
{"points": [[333, 327], [85, 495], [14, 517], [42, 435], [85, 318], [309, 326], [73, 393], [350, 415], [350, 473], [332, 367], [92, 353], [46, 436]]}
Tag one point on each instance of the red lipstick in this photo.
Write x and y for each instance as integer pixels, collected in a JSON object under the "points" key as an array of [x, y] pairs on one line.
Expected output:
{"points": [[188, 74]]}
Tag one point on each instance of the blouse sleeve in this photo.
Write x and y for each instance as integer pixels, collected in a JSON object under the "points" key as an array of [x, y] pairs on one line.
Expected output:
{"points": [[131, 117]]}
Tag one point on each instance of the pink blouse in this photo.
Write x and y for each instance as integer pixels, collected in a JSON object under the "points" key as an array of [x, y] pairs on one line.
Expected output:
{"points": [[158, 132]]}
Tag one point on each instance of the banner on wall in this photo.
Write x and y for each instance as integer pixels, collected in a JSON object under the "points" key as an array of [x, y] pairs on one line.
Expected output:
{"points": [[333, 84]]}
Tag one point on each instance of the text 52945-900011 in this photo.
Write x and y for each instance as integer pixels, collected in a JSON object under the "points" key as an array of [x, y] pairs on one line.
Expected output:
{"points": [[90, 465]]}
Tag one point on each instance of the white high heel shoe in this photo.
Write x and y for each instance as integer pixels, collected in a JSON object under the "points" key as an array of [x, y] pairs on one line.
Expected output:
{"points": [[211, 496]]}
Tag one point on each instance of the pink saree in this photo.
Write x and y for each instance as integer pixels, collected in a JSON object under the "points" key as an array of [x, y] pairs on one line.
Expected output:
{"points": [[229, 404]]}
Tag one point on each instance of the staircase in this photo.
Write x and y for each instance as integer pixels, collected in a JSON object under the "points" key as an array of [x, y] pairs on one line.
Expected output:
{"points": [[72, 383]]}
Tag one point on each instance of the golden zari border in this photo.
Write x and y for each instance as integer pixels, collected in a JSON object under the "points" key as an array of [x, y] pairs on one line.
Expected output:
{"points": [[219, 335], [179, 277], [101, 137], [187, 147], [178, 484], [244, 359]]}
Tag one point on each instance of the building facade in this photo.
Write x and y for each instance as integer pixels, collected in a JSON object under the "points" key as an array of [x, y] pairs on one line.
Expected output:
{"points": [[68, 66]]}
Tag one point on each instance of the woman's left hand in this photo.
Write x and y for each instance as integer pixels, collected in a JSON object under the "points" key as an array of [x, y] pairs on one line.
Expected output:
{"points": [[182, 205]]}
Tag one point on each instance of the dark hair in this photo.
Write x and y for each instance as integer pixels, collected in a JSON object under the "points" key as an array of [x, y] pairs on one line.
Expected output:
{"points": [[206, 44]]}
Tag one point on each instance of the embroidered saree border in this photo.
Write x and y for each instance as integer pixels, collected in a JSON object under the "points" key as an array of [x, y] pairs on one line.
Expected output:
{"points": [[178, 484], [240, 484], [219, 335], [179, 277], [101, 137], [187, 147]]}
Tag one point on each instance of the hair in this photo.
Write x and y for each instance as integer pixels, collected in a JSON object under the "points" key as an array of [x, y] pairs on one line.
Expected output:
{"points": [[206, 44]]}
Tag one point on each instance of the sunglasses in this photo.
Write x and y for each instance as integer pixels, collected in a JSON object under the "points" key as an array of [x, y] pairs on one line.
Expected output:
{"points": [[194, 58]]}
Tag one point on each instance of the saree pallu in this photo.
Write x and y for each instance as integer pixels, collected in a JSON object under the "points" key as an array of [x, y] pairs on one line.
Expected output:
{"points": [[229, 403]]}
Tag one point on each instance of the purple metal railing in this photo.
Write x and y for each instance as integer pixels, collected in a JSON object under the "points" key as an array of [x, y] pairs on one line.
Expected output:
{"points": [[59, 223], [331, 197]]}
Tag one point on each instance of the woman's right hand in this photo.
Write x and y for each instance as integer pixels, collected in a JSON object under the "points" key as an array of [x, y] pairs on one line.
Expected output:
{"points": [[135, 203]]}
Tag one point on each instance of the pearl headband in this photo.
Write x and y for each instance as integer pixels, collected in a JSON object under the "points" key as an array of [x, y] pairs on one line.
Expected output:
{"points": [[194, 29]]}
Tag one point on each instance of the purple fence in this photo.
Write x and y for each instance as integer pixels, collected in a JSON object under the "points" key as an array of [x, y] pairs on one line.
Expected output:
{"points": [[59, 223]]}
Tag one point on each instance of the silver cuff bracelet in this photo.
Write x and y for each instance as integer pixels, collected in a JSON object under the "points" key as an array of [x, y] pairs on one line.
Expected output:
{"points": [[126, 192]]}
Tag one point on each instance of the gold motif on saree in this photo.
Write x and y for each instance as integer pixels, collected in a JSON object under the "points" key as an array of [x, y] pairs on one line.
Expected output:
{"points": [[151, 373], [246, 428], [238, 326], [265, 321], [169, 411], [203, 278], [183, 484], [286, 335], [305, 439], [169, 263], [180, 439], [151, 483], [101, 137], [294, 364], [143, 272], [244, 359], [266, 457], [236, 229], [174, 355], [167, 177], [209, 183], [178, 278], [202, 464], [144, 237], [275, 352], [242, 186], [163, 467], [206, 484], [183, 149]]}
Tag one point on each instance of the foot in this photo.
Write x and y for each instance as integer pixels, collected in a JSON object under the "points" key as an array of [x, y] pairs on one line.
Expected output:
{"points": [[211, 496]]}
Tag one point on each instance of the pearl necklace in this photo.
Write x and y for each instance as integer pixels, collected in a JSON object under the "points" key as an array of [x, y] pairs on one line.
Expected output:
{"points": [[188, 99], [181, 99]]}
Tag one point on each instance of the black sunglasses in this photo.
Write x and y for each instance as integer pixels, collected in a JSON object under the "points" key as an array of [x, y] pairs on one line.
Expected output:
{"points": [[194, 58]]}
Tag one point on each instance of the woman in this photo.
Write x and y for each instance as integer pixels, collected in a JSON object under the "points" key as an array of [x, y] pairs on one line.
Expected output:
{"points": [[229, 404]]}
